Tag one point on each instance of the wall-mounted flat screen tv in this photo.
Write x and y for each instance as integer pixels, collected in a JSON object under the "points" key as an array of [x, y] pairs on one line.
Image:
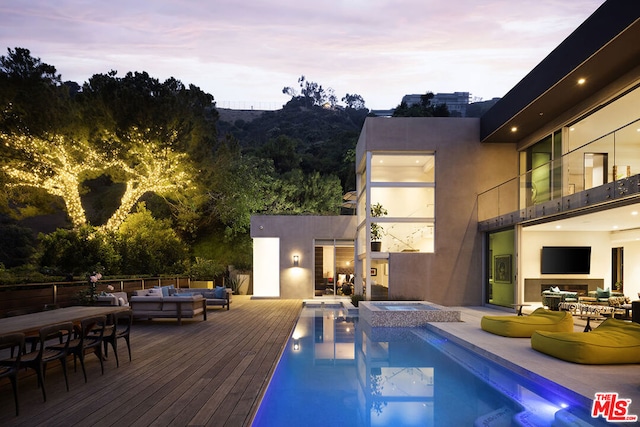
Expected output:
{"points": [[566, 260]]}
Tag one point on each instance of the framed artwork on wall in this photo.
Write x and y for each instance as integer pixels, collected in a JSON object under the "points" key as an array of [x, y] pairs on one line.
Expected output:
{"points": [[502, 269]]}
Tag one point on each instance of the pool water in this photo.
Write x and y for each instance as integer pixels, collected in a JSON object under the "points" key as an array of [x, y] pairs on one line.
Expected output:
{"points": [[336, 371]]}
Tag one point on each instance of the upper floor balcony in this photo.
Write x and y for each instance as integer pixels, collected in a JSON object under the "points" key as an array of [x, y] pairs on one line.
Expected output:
{"points": [[605, 170]]}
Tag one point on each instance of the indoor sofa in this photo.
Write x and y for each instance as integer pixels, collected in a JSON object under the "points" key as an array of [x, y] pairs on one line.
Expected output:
{"points": [[151, 304], [613, 342], [553, 297], [524, 326]]}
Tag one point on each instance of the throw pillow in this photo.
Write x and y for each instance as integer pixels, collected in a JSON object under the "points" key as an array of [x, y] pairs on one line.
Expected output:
{"points": [[156, 292], [602, 293], [555, 289], [220, 292], [166, 290]]}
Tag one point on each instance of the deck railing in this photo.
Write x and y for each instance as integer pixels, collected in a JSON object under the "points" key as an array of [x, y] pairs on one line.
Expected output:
{"points": [[32, 297], [610, 158]]}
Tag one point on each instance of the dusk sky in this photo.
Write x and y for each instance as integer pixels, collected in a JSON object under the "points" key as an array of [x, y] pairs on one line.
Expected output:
{"points": [[244, 53]]}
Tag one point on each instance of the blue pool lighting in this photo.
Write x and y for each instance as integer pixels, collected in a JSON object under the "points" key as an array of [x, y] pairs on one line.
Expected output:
{"points": [[337, 370]]}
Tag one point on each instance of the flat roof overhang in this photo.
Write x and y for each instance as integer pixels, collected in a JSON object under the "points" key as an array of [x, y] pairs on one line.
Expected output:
{"points": [[604, 48]]}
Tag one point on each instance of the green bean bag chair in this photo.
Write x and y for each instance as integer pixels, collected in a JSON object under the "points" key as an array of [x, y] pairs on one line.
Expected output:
{"points": [[613, 342], [523, 326]]}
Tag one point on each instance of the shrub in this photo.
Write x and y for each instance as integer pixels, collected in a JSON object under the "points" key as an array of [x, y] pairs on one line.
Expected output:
{"points": [[356, 298]]}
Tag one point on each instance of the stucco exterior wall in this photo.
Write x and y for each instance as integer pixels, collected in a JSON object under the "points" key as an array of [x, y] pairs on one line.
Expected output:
{"points": [[297, 234], [452, 275]]}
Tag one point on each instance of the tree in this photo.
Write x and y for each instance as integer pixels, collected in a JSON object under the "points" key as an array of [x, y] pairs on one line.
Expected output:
{"points": [[148, 136], [283, 151], [150, 245], [55, 164], [78, 251], [59, 166], [239, 187], [17, 244], [354, 101], [312, 94], [20, 66], [32, 100]]}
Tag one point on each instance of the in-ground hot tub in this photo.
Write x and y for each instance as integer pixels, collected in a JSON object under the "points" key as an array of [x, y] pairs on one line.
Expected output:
{"points": [[405, 313]]}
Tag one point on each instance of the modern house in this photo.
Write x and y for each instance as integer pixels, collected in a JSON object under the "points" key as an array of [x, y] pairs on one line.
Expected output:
{"points": [[471, 202]]}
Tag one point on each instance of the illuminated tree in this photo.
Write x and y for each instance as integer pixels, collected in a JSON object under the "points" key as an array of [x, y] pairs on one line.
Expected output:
{"points": [[59, 166], [152, 169], [55, 165]]}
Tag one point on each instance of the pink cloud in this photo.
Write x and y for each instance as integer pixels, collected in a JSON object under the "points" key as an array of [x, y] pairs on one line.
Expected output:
{"points": [[380, 49]]}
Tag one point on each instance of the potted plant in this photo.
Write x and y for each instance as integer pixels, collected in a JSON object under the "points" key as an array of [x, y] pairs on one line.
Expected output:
{"points": [[376, 229]]}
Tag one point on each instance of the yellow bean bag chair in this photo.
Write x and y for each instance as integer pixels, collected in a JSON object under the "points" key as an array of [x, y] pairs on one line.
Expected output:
{"points": [[523, 326], [613, 342]]}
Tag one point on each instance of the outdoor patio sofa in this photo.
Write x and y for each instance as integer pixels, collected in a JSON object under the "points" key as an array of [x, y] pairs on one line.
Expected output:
{"points": [[219, 296], [615, 341], [114, 298], [524, 326], [151, 304]]}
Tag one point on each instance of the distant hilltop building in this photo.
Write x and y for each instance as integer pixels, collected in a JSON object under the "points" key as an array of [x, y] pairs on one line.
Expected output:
{"points": [[456, 102]]}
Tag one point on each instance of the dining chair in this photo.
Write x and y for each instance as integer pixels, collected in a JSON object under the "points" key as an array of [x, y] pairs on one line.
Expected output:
{"points": [[9, 367], [87, 339], [32, 338], [121, 328], [43, 354]]}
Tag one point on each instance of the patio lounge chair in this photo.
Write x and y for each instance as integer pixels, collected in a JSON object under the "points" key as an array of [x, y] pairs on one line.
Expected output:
{"points": [[524, 326], [613, 342]]}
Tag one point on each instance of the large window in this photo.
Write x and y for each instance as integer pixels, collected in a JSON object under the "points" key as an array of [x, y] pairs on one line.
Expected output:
{"points": [[404, 185]]}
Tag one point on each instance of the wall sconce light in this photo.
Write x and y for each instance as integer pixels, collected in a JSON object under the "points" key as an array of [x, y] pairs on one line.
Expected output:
{"points": [[296, 344], [296, 260]]}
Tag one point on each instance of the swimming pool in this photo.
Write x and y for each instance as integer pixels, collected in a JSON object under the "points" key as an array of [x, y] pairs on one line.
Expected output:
{"points": [[338, 371]]}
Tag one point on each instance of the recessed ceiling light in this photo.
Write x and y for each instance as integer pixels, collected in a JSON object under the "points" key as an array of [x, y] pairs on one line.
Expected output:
{"points": [[514, 128], [634, 213], [581, 81], [615, 227], [571, 129], [558, 226]]}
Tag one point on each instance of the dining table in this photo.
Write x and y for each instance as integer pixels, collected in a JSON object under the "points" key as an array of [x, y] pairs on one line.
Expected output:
{"points": [[33, 322]]}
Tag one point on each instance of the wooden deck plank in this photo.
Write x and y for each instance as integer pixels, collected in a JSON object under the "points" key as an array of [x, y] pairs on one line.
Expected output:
{"points": [[201, 373]]}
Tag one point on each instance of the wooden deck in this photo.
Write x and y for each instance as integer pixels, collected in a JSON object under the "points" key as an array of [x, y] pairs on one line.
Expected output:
{"points": [[209, 373]]}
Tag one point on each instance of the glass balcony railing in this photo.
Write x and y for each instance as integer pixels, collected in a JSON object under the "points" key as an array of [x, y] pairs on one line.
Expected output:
{"points": [[610, 158]]}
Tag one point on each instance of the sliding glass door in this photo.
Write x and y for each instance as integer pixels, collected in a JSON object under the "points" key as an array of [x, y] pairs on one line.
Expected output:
{"points": [[333, 266]]}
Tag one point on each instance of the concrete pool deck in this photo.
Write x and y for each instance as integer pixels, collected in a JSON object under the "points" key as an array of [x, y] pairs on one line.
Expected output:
{"points": [[585, 380]]}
